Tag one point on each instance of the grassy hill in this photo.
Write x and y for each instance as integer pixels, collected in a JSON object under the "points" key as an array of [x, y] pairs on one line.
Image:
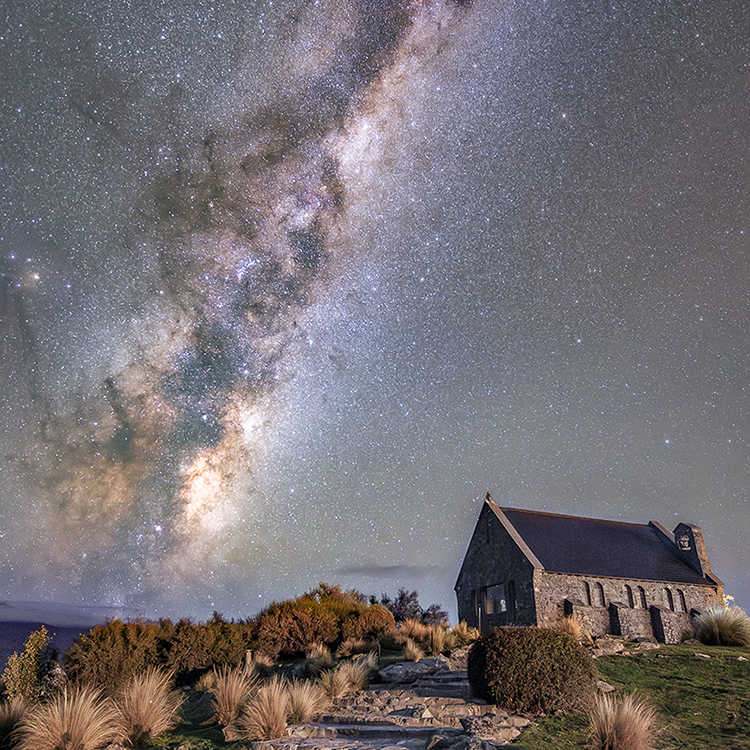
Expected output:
{"points": [[702, 703]]}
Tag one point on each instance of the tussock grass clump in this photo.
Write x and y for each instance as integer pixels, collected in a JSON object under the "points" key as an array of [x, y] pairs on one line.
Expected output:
{"points": [[259, 664], [437, 640], [624, 724], [317, 659], [352, 646], [306, 700], [572, 626], [415, 630], [413, 651], [334, 682], [723, 626], [357, 672], [264, 717], [11, 714], [79, 719], [531, 670], [147, 707], [232, 689], [462, 634]]}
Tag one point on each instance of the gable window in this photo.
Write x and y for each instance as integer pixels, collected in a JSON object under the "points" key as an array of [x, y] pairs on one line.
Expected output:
{"points": [[670, 599], [642, 596], [599, 595], [629, 594]]}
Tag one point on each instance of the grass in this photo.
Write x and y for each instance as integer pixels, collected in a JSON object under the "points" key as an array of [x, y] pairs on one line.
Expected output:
{"points": [[621, 724], [700, 704], [334, 683], [723, 626], [232, 689], [11, 713], [264, 717], [147, 707], [74, 720], [306, 700], [412, 651]]}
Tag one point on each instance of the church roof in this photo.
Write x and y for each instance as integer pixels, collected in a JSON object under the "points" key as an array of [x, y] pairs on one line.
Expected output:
{"points": [[591, 546]]}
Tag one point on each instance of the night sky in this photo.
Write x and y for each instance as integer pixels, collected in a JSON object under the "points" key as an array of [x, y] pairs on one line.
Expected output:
{"points": [[287, 287]]}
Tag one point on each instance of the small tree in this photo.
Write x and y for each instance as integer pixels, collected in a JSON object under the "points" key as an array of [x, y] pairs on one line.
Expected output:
{"points": [[24, 675]]}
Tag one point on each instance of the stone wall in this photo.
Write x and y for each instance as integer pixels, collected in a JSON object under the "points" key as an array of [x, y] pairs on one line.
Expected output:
{"points": [[494, 558], [606, 605]]}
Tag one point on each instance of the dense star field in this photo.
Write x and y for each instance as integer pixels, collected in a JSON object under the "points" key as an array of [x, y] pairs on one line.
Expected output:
{"points": [[288, 286]]}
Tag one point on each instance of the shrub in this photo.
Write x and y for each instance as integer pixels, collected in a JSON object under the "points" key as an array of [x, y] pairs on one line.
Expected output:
{"points": [[78, 719], [415, 629], [723, 626], [24, 674], [624, 724], [412, 651], [264, 717], [306, 700], [232, 689], [531, 670], [370, 623], [11, 714], [148, 706]]}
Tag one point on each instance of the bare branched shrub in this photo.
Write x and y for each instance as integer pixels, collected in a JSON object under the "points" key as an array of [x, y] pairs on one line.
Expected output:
{"points": [[11, 714], [306, 700], [334, 682], [78, 719], [412, 651], [232, 689], [264, 717], [147, 706], [624, 724], [723, 626]]}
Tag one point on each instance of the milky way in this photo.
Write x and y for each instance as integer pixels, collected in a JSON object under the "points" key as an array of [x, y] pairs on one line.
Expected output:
{"points": [[286, 288]]}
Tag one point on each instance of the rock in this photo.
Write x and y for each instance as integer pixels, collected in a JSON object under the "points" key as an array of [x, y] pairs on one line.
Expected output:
{"points": [[605, 687], [645, 646], [741, 658], [459, 658], [705, 657], [406, 672], [607, 645]]}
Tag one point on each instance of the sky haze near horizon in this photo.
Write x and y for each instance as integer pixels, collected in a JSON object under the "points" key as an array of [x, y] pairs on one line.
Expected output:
{"points": [[288, 286]]}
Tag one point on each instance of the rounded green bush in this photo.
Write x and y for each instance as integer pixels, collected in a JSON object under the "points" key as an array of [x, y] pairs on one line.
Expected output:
{"points": [[531, 670]]}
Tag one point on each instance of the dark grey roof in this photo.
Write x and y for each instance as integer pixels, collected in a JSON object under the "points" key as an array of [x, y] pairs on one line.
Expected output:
{"points": [[590, 546]]}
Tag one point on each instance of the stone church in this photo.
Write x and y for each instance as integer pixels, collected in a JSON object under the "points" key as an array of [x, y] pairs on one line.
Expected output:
{"points": [[525, 567]]}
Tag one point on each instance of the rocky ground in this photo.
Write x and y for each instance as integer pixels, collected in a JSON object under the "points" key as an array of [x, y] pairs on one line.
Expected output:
{"points": [[425, 705]]}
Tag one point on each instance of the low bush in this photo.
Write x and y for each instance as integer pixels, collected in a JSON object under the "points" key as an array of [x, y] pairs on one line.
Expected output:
{"points": [[78, 719], [723, 626], [531, 670], [147, 707], [24, 675], [624, 724]]}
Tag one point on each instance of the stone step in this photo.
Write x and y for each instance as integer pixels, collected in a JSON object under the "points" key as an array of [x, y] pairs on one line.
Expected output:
{"points": [[374, 734]]}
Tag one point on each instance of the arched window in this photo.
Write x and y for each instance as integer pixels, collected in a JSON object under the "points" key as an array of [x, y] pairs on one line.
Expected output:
{"points": [[670, 599], [629, 594], [642, 596], [683, 603], [587, 592], [600, 595]]}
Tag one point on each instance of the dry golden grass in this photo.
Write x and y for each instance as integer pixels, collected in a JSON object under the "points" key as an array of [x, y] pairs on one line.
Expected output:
{"points": [[573, 627], [319, 657], [232, 689], [306, 700], [74, 720], [352, 646], [334, 683], [264, 717], [624, 724], [147, 706], [414, 629], [357, 672], [260, 664], [462, 634], [11, 714], [723, 626], [437, 640], [412, 651]]}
